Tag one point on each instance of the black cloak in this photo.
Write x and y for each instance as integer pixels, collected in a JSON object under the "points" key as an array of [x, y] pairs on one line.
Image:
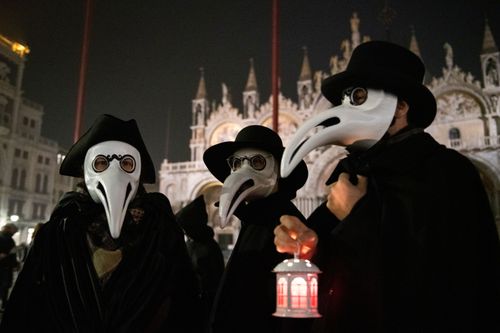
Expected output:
{"points": [[418, 253], [246, 298], [152, 289], [205, 252]]}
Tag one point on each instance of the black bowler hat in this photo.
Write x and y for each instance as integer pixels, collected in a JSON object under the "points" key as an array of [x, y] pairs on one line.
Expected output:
{"points": [[387, 66], [108, 128], [254, 136]]}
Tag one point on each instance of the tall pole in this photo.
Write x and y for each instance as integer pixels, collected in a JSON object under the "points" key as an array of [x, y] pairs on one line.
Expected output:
{"points": [[80, 99], [275, 64]]}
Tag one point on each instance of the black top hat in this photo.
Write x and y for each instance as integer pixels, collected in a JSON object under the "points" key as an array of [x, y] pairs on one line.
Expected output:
{"points": [[384, 65], [254, 136], [108, 128]]}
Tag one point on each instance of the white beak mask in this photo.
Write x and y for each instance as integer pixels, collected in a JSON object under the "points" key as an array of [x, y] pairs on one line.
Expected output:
{"points": [[112, 170], [254, 175], [364, 116]]}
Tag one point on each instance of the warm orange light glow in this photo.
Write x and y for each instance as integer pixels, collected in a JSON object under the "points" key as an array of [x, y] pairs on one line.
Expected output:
{"points": [[299, 293], [20, 49], [296, 289], [16, 47], [314, 292], [282, 292]]}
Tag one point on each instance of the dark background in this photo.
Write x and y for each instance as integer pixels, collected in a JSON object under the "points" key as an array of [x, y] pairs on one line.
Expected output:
{"points": [[145, 55]]}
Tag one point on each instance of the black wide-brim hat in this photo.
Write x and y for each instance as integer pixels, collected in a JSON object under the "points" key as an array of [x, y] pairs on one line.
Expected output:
{"points": [[254, 136], [108, 128], [387, 66]]}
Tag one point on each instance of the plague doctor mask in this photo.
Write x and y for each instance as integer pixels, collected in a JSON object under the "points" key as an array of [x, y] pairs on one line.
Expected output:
{"points": [[363, 117], [254, 175], [112, 171]]}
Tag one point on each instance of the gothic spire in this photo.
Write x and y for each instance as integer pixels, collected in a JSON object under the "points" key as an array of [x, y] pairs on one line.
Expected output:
{"points": [[252, 79], [413, 43], [489, 45], [305, 72], [202, 89]]}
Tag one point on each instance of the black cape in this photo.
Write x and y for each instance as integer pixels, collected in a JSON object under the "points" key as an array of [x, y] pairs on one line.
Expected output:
{"points": [[152, 289], [418, 253], [246, 298], [205, 252]]}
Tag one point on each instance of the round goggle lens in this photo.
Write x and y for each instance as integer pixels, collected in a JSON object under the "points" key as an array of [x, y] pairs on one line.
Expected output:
{"points": [[100, 163]]}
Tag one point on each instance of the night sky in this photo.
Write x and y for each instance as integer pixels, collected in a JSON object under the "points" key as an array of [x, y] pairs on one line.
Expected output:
{"points": [[145, 55]]}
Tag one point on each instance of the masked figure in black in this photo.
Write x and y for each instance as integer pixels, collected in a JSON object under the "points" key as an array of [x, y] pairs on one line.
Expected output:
{"points": [[112, 257], [406, 240], [255, 193]]}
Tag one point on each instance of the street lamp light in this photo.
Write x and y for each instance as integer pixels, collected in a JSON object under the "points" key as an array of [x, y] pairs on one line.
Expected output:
{"points": [[14, 218]]}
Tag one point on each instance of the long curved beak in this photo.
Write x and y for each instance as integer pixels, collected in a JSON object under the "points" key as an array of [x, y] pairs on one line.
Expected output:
{"points": [[115, 199], [235, 190], [340, 125], [239, 186]]}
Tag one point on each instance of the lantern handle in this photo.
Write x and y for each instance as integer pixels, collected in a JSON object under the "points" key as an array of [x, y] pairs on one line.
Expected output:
{"points": [[296, 253]]}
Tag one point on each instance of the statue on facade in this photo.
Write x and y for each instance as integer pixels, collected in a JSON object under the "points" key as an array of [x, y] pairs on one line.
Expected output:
{"points": [[449, 55], [492, 72], [226, 97], [249, 106]]}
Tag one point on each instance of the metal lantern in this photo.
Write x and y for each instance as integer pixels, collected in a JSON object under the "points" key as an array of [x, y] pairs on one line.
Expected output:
{"points": [[296, 289]]}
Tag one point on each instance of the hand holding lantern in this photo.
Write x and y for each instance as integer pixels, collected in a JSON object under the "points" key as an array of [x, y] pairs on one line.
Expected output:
{"points": [[296, 279], [292, 235]]}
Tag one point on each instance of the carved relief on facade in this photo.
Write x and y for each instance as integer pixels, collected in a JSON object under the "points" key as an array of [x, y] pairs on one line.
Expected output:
{"points": [[286, 127], [223, 113], [456, 106], [224, 132], [170, 191]]}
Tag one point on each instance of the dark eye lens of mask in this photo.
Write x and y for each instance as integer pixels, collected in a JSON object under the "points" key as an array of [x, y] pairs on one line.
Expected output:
{"points": [[358, 96], [258, 162], [127, 163], [100, 163], [234, 163]]}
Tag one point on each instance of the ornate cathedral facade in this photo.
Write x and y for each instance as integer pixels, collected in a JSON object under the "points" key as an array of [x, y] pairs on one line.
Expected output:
{"points": [[468, 120]]}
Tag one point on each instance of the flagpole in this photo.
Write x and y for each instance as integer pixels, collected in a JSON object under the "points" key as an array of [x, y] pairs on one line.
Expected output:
{"points": [[275, 63], [80, 99]]}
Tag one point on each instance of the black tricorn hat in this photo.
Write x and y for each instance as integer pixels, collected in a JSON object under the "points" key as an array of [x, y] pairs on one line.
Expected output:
{"points": [[108, 128], [388, 66], [254, 136]]}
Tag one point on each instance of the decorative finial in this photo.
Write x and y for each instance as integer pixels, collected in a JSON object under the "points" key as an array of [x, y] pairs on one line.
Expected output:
{"points": [[386, 16]]}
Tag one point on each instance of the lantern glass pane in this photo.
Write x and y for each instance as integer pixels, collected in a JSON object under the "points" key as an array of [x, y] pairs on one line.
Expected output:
{"points": [[313, 287], [282, 292], [299, 293]]}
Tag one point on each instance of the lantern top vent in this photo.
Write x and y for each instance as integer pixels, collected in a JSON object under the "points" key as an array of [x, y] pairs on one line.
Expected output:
{"points": [[296, 265]]}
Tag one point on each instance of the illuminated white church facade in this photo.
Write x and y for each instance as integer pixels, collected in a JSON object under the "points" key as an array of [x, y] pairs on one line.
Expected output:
{"points": [[468, 120]]}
